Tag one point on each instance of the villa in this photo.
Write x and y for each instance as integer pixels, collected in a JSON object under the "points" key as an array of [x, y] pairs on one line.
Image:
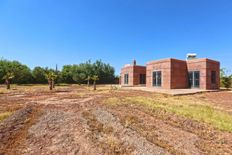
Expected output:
{"points": [[172, 73]]}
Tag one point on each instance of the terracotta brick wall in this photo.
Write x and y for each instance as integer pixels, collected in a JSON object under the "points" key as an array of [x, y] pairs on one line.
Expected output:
{"points": [[137, 71], [212, 66], [198, 65], [179, 74], [127, 70], [205, 66], [165, 67], [134, 74]]}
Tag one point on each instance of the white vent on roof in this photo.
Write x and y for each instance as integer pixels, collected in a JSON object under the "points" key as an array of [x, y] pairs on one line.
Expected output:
{"points": [[126, 65], [191, 56]]}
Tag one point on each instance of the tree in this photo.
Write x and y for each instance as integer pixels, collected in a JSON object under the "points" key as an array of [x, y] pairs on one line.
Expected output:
{"points": [[88, 70], [51, 76], [88, 80], [105, 72], [7, 78], [76, 73], [79, 77], [67, 74], [95, 78], [225, 79], [22, 73], [38, 74]]}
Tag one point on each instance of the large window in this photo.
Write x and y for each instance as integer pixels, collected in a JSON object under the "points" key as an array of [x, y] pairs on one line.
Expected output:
{"points": [[194, 79], [142, 78], [213, 77], [157, 78], [126, 78]]}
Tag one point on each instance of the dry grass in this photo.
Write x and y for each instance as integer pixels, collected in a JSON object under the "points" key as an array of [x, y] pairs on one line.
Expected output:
{"points": [[4, 115], [108, 143], [129, 120], [185, 106], [114, 146], [32, 88], [29, 88]]}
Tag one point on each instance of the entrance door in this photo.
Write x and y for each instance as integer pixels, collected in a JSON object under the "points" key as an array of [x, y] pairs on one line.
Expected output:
{"points": [[157, 79], [126, 78], [142, 79], [194, 79]]}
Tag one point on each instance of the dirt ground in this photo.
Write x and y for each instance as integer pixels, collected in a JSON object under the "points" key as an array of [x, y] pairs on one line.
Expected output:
{"points": [[75, 120], [222, 100]]}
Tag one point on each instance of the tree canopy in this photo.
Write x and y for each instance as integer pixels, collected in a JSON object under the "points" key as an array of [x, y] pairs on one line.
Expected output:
{"points": [[22, 73], [77, 73]]}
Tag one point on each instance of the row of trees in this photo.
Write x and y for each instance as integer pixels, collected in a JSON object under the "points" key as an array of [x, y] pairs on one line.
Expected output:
{"points": [[226, 78], [83, 73]]}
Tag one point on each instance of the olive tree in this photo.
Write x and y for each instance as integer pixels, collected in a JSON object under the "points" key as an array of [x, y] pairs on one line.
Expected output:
{"points": [[8, 77], [95, 78], [51, 76]]}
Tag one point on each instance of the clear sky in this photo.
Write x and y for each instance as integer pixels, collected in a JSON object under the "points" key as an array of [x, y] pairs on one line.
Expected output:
{"points": [[50, 32]]}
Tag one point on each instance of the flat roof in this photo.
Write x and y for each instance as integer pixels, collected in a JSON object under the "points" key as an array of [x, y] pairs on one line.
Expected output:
{"points": [[163, 60], [192, 60], [128, 66], [202, 59]]}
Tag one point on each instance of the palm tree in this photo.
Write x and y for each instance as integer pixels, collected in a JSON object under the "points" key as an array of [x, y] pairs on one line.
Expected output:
{"points": [[51, 76], [88, 80], [95, 78], [7, 78]]}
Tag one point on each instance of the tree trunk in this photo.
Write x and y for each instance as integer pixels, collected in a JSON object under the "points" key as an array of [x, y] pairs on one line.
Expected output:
{"points": [[94, 85], [53, 84], [88, 83], [7, 84], [50, 84]]}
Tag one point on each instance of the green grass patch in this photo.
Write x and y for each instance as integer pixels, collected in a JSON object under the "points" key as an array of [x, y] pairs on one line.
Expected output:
{"points": [[182, 106], [4, 115]]}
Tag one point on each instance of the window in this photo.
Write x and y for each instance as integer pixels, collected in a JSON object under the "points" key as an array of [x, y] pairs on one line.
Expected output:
{"points": [[194, 79], [213, 77], [126, 78], [142, 78], [157, 79]]}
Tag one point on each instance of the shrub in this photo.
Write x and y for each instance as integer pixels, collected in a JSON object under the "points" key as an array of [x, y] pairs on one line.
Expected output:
{"points": [[226, 81]]}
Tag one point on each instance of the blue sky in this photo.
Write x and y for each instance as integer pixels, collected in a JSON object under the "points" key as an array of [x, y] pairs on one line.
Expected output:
{"points": [[50, 32]]}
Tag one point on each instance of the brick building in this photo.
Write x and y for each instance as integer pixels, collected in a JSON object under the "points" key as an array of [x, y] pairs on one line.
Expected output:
{"points": [[133, 75], [174, 74]]}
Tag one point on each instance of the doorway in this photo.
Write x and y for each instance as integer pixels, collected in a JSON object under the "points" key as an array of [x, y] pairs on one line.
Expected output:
{"points": [[157, 79], [194, 79]]}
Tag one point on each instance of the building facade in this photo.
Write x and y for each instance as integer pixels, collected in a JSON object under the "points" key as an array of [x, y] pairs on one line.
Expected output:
{"points": [[133, 75], [174, 74]]}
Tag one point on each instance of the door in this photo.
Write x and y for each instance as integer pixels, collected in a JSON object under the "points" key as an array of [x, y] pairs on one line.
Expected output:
{"points": [[194, 79], [126, 78], [142, 79], [157, 78]]}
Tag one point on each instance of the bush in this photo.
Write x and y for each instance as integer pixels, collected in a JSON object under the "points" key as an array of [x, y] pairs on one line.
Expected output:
{"points": [[226, 81]]}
